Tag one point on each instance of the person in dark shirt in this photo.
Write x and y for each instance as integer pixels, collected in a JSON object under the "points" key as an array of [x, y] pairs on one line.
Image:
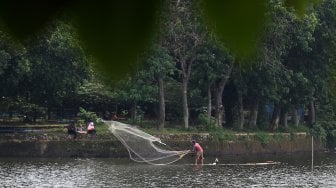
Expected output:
{"points": [[72, 133]]}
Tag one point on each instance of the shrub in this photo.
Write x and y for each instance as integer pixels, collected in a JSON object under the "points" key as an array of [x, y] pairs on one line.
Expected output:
{"points": [[202, 120], [88, 116], [331, 139], [319, 132], [330, 129], [220, 134], [262, 137], [32, 112]]}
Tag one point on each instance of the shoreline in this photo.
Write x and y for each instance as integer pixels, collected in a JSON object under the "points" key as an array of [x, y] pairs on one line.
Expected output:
{"points": [[107, 146]]}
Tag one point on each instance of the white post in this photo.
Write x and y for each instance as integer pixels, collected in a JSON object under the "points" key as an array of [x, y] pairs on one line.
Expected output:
{"points": [[312, 153]]}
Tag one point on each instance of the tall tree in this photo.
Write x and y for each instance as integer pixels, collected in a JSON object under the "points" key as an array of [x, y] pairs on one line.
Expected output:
{"points": [[137, 89], [159, 65], [270, 80], [318, 64], [14, 67], [59, 65], [222, 65], [185, 37]]}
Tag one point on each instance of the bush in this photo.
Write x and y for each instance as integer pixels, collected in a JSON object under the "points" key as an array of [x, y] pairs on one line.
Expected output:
{"points": [[202, 120], [32, 112], [319, 132], [220, 134], [330, 129], [88, 116], [331, 139], [262, 137]]}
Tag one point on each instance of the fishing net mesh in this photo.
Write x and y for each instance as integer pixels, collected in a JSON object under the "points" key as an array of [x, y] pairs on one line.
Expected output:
{"points": [[143, 147]]}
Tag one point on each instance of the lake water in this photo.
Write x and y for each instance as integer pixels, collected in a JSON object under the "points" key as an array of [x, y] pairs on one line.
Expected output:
{"points": [[231, 172]]}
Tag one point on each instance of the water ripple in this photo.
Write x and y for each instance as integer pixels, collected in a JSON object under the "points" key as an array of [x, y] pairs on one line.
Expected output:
{"points": [[125, 173]]}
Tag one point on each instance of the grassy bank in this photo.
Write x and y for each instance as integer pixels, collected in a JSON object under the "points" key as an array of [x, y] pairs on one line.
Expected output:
{"points": [[59, 132], [52, 141], [149, 127]]}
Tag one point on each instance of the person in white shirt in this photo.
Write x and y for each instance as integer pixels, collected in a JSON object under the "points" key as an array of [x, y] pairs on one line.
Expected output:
{"points": [[91, 129]]}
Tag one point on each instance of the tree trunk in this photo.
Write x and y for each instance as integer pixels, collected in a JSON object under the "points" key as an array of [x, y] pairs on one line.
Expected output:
{"points": [[284, 119], [311, 113], [295, 118], [162, 110], [185, 102], [253, 115], [185, 53], [209, 106], [48, 113], [186, 71], [219, 102], [133, 112], [275, 117], [241, 117]]}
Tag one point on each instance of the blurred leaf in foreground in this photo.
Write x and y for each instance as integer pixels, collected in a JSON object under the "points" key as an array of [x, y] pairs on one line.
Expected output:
{"points": [[23, 18], [300, 6], [116, 32], [238, 23]]}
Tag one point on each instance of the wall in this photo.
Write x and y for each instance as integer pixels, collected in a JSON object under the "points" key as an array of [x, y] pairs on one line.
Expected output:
{"points": [[44, 145]]}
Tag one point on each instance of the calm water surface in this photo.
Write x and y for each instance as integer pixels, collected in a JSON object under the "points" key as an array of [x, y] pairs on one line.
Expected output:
{"points": [[291, 172]]}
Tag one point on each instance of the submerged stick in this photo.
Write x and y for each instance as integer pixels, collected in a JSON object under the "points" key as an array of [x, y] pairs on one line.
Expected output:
{"points": [[312, 153]]}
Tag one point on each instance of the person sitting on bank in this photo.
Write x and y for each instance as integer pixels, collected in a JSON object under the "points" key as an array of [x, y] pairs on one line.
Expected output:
{"points": [[91, 129], [80, 128], [80, 131], [114, 117], [72, 133]]}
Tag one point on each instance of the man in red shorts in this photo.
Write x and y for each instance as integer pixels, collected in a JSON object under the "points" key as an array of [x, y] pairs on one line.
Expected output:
{"points": [[199, 152]]}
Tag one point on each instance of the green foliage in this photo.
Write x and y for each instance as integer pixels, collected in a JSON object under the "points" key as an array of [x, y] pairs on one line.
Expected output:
{"points": [[123, 28], [136, 88], [151, 129], [278, 137], [237, 23], [158, 63], [124, 113], [331, 141], [59, 65], [14, 67], [139, 116], [88, 116], [26, 111], [102, 129], [294, 60], [292, 129], [220, 134], [32, 15], [328, 133], [300, 6], [32, 112], [94, 95], [203, 122], [116, 32], [319, 132], [263, 137]]}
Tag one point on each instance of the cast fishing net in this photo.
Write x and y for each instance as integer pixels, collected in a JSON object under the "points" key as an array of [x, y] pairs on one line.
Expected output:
{"points": [[143, 147]]}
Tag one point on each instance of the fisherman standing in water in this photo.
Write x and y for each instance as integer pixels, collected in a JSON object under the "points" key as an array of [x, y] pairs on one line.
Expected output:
{"points": [[199, 152]]}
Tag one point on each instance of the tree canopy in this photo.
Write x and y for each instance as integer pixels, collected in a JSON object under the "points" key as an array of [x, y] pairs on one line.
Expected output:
{"points": [[266, 65]]}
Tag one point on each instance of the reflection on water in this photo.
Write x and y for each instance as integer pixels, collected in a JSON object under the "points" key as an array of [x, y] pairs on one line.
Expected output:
{"points": [[291, 172]]}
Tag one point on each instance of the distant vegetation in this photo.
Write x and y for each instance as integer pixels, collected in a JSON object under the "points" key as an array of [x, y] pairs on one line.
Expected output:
{"points": [[188, 79]]}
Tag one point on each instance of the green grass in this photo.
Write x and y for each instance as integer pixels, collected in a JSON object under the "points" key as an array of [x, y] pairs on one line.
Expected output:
{"points": [[263, 137], [102, 129], [170, 131], [219, 134]]}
